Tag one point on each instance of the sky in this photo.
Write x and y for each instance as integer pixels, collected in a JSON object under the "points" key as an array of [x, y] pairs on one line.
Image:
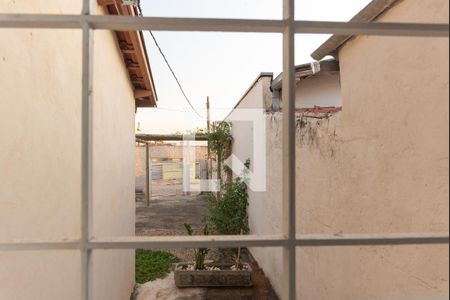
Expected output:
{"points": [[222, 65]]}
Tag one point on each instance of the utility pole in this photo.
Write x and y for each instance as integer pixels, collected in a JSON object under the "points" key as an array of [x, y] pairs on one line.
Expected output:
{"points": [[208, 127], [208, 116]]}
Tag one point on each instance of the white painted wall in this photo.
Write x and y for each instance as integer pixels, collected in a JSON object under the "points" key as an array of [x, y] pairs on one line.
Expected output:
{"points": [[242, 131], [322, 90], [40, 160]]}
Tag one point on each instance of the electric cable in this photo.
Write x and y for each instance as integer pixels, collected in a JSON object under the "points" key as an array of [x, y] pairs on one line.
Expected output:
{"points": [[169, 66]]}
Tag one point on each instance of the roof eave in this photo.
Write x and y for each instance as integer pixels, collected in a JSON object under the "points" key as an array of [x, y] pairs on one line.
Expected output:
{"points": [[369, 14], [134, 53], [307, 70]]}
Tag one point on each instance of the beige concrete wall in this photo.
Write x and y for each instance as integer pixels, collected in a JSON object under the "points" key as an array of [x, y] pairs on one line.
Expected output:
{"points": [[380, 165], [265, 209], [114, 162], [171, 170], [170, 152], [40, 160]]}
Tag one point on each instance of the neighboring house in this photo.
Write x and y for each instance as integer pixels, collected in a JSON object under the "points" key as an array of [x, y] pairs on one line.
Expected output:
{"points": [[380, 165], [40, 160], [318, 85], [317, 90]]}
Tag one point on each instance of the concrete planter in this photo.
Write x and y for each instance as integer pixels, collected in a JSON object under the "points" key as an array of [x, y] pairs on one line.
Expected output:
{"points": [[225, 277]]}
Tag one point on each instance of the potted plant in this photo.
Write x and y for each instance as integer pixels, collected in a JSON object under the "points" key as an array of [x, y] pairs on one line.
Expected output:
{"points": [[201, 274]]}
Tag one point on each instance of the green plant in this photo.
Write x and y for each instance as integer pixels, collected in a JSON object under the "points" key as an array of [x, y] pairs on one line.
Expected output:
{"points": [[219, 142], [151, 265], [199, 254], [228, 211]]}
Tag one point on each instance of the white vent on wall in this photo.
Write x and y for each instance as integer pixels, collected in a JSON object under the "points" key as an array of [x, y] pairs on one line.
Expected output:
{"points": [[315, 67], [130, 2]]}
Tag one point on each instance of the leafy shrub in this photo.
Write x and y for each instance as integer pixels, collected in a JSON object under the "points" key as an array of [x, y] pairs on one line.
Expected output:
{"points": [[228, 210], [219, 140]]}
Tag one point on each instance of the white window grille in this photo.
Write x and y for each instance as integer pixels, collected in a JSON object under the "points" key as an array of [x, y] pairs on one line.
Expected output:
{"points": [[289, 240]]}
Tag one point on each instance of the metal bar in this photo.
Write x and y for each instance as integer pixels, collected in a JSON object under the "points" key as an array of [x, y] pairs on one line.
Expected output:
{"points": [[302, 240], [379, 29], [268, 241], [40, 245], [129, 23], [288, 159], [187, 163], [150, 172], [371, 239], [175, 242], [173, 137], [86, 10], [147, 174], [42, 21], [208, 128], [87, 158]]}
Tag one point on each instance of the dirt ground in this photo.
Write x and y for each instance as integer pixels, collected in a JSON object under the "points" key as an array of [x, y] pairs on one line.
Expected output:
{"points": [[166, 215]]}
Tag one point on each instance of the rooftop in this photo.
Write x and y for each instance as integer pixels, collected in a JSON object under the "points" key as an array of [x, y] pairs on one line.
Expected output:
{"points": [[369, 14], [134, 53]]}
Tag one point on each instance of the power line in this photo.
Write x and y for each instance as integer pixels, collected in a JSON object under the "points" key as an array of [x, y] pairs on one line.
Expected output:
{"points": [[169, 66], [170, 109]]}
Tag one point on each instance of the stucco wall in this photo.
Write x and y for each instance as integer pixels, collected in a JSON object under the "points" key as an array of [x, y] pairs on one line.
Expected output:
{"points": [[40, 161], [169, 169], [380, 165], [114, 163], [168, 151], [265, 209]]}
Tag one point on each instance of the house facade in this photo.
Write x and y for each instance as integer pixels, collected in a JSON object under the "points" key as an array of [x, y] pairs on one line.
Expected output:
{"points": [[40, 161], [378, 164]]}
